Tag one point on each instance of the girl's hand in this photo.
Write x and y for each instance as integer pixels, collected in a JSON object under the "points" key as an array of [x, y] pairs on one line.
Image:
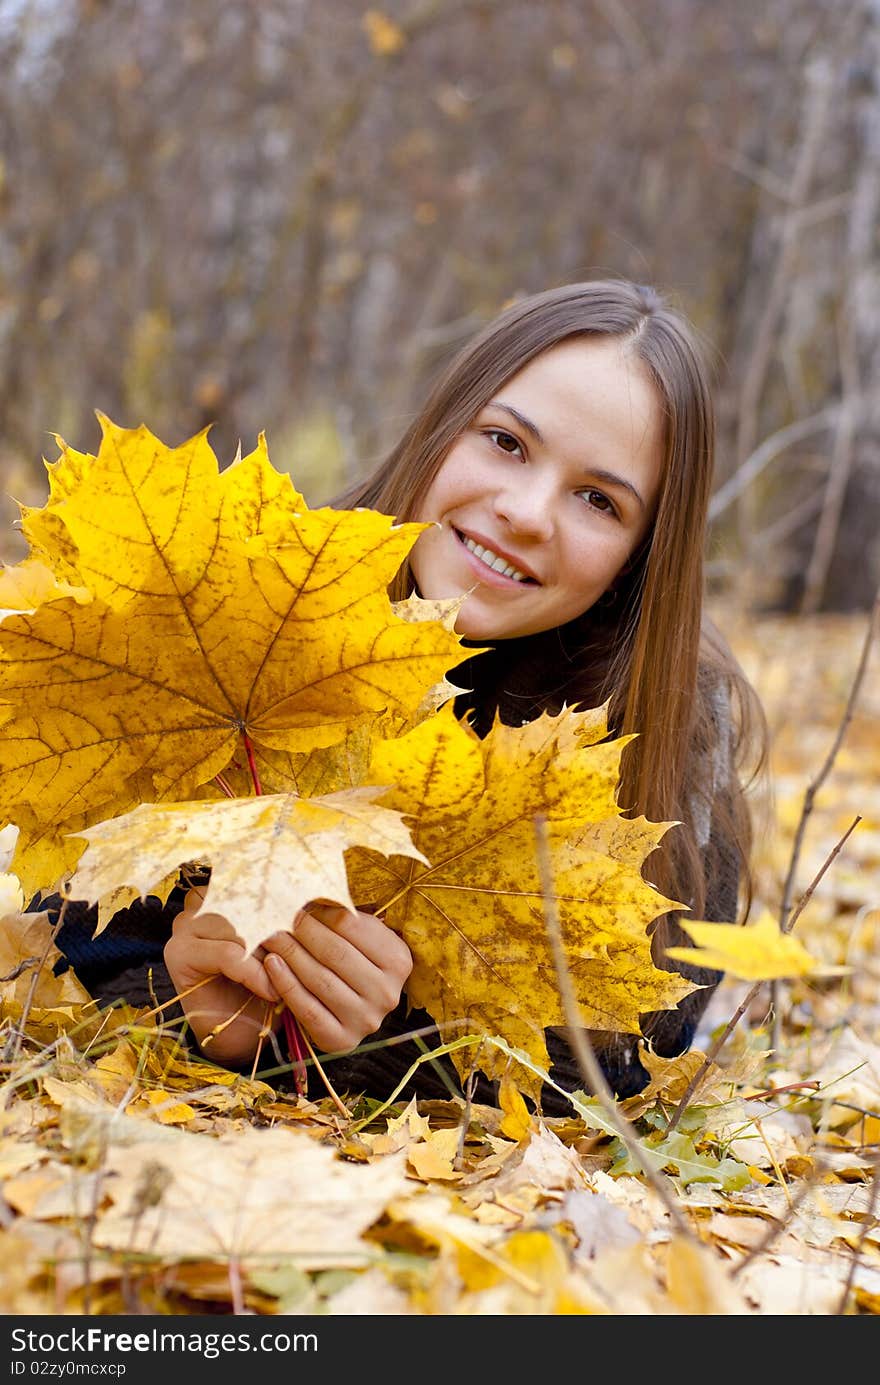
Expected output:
{"points": [[340, 973], [206, 946]]}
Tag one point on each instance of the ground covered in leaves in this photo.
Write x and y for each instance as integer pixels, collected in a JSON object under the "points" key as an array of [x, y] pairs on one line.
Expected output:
{"points": [[137, 1178]]}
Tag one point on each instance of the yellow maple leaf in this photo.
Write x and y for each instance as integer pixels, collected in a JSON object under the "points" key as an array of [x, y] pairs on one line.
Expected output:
{"points": [[28, 584], [269, 855], [45, 532], [474, 919], [758, 952], [224, 613], [47, 852]]}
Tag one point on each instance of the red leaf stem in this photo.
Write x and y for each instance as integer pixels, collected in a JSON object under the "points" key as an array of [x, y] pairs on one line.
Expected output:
{"points": [[252, 764], [295, 1049]]}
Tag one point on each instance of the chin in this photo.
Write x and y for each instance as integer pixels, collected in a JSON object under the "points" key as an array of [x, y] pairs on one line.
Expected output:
{"points": [[482, 632]]}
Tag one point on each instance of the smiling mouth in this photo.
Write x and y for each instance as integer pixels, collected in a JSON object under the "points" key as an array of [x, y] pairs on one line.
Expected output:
{"points": [[494, 561]]}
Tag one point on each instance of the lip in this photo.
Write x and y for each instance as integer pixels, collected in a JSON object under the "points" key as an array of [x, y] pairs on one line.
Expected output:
{"points": [[486, 573]]}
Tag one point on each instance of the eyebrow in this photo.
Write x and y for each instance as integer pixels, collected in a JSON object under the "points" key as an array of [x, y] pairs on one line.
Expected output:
{"points": [[526, 423], [612, 479], [609, 477]]}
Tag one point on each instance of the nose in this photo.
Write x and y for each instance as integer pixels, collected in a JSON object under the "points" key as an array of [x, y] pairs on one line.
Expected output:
{"points": [[527, 508]]}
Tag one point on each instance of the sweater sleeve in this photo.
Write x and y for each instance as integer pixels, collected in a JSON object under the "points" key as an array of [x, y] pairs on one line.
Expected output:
{"points": [[125, 960]]}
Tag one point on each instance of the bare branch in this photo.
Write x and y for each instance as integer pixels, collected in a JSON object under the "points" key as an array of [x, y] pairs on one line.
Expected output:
{"points": [[817, 109], [810, 797], [577, 1035], [751, 995], [814, 787], [839, 470], [767, 452]]}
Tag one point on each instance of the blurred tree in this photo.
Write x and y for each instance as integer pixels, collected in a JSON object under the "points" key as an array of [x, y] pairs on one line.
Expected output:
{"points": [[285, 215]]}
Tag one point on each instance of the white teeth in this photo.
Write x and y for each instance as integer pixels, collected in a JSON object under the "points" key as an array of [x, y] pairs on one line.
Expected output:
{"points": [[493, 560]]}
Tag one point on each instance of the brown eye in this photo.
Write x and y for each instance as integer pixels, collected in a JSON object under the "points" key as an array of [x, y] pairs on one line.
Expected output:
{"points": [[505, 442], [597, 500]]}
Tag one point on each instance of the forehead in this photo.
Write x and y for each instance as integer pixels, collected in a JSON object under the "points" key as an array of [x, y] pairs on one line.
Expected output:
{"points": [[588, 385]]}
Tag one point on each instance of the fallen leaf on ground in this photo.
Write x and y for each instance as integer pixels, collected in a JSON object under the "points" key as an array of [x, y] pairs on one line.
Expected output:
{"points": [[758, 952]]}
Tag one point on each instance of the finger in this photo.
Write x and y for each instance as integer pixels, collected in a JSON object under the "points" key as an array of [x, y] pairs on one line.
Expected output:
{"points": [[203, 924], [384, 948], [334, 971], [341, 991], [217, 957], [326, 930], [326, 947], [326, 1029], [194, 899]]}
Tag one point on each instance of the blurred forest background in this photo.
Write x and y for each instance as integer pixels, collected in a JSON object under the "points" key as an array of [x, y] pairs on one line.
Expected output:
{"points": [[284, 215]]}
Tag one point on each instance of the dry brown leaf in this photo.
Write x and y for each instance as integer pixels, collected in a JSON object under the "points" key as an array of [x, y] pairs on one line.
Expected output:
{"points": [[252, 1194]]}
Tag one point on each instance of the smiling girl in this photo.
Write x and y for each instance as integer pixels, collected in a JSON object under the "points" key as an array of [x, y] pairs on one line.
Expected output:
{"points": [[565, 461]]}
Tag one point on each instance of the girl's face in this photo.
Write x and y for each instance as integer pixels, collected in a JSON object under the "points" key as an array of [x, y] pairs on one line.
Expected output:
{"points": [[545, 496]]}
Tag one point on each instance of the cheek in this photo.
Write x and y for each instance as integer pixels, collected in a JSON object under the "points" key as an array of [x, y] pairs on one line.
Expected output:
{"points": [[592, 561], [456, 483]]}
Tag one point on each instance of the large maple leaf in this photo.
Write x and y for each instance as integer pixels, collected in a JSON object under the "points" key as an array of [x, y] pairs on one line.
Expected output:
{"points": [[269, 856], [474, 918], [224, 613]]}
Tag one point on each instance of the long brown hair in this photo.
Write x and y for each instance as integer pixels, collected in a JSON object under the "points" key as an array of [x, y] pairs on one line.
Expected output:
{"points": [[647, 648]]}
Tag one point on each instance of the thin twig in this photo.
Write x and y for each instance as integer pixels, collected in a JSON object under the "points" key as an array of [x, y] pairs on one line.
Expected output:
{"points": [[334, 1095], [464, 1126], [808, 892], [264, 1030], [224, 1024], [817, 1171], [813, 789], [751, 994], [814, 120], [840, 468], [580, 1043], [178, 995], [766, 452], [775, 1230], [13, 1052]]}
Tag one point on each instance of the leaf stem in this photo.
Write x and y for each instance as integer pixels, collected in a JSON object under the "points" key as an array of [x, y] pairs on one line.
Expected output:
{"points": [[334, 1095], [252, 763], [221, 782], [293, 1035]]}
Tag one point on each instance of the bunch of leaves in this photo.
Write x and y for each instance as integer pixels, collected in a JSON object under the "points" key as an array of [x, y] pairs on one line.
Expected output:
{"points": [[196, 616], [199, 668]]}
